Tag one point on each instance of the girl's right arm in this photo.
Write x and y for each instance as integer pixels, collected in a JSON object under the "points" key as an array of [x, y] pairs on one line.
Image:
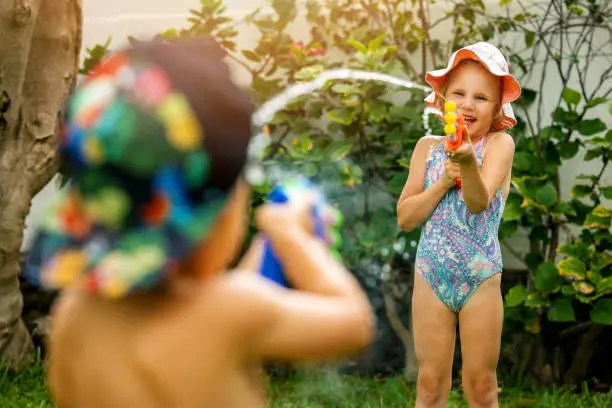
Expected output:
{"points": [[415, 205]]}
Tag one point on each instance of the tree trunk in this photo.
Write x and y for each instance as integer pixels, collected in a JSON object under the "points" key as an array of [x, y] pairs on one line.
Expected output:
{"points": [[405, 334], [40, 42]]}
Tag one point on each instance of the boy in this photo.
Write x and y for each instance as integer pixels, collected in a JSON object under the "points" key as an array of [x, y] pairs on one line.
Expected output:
{"points": [[155, 143]]}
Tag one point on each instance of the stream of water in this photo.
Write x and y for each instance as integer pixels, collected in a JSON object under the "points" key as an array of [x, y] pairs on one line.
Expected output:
{"points": [[266, 112]]}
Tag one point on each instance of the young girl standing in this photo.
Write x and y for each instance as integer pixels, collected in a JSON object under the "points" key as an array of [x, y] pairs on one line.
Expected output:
{"points": [[458, 264]]}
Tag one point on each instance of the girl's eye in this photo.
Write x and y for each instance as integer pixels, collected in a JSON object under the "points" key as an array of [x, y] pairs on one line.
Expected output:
{"points": [[458, 93], [482, 98]]}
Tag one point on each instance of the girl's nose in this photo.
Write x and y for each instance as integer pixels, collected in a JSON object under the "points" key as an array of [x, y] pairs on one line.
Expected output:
{"points": [[468, 104]]}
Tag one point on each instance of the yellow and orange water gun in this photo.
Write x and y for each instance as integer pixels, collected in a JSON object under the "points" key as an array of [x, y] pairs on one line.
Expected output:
{"points": [[454, 128]]}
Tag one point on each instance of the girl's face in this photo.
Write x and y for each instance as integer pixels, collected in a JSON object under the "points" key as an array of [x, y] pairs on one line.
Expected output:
{"points": [[477, 94]]}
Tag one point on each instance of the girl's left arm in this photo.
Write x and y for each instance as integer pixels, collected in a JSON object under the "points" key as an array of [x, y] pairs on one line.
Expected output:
{"points": [[480, 184]]}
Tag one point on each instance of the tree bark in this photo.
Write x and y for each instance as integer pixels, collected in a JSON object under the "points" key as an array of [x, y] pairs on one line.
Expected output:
{"points": [[40, 42], [405, 334]]}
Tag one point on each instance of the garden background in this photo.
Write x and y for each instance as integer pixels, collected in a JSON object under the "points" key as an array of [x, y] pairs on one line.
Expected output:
{"points": [[356, 138]]}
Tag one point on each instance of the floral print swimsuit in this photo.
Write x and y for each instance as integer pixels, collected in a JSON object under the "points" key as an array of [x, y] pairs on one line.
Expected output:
{"points": [[458, 250]]}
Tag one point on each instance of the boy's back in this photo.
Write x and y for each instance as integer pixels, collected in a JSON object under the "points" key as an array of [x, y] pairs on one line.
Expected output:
{"points": [[176, 350]]}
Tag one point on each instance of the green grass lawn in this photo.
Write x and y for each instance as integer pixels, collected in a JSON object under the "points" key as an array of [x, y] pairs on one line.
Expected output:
{"points": [[27, 390]]}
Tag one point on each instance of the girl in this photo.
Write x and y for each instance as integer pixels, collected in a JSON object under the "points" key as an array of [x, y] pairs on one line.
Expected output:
{"points": [[458, 264]]}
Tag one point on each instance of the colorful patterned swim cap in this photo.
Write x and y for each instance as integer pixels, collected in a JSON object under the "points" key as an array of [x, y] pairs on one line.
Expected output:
{"points": [[153, 141]]}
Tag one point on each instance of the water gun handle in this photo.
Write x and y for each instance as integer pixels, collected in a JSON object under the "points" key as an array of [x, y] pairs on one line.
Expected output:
{"points": [[271, 267], [454, 128]]}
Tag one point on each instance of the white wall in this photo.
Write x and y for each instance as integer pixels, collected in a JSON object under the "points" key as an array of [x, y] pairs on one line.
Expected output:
{"points": [[140, 18]]}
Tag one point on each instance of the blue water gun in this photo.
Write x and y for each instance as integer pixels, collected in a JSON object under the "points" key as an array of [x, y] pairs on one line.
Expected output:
{"points": [[326, 221]]}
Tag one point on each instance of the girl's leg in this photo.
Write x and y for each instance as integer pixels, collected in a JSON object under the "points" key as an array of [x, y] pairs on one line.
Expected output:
{"points": [[434, 327], [480, 328]]}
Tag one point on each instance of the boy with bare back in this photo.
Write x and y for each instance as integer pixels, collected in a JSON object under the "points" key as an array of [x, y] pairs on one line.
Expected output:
{"points": [[155, 142]]}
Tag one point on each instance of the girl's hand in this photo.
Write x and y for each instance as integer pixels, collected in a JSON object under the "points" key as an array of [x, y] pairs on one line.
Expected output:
{"points": [[451, 173], [464, 153]]}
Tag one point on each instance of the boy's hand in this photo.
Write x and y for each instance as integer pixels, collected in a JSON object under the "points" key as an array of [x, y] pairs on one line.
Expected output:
{"points": [[274, 219]]}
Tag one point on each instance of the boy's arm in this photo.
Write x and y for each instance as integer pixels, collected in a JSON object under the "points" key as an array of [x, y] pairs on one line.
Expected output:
{"points": [[251, 261], [327, 317], [479, 185]]}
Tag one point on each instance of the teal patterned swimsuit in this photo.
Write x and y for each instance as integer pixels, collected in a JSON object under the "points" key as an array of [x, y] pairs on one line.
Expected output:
{"points": [[458, 250]]}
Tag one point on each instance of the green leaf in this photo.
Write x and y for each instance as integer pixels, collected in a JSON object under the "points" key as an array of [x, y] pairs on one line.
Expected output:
{"points": [[251, 56], [344, 88], [384, 223], [601, 211], [523, 161], [593, 154], [528, 97], [562, 208], [596, 101], [547, 195], [366, 235], [547, 278], [606, 191], [580, 190], [358, 46], [561, 311], [338, 149], [516, 296], [596, 222], [396, 184], [395, 136], [375, 44], [567, 149], [599, 261], [552, 132], [583, 287], [589, 127], [576, 250], [404, 112], [572, 269], [535, 301], [404, 162], [529, 38], [376, 109], [508, 229], [309, 73], [344, 115], [513, 210], [571, 97], [602, 312], [604, 286], [533, 260]]}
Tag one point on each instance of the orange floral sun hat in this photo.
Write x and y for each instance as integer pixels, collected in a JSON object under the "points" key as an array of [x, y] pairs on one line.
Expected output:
{"points": [[492, 59]]}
